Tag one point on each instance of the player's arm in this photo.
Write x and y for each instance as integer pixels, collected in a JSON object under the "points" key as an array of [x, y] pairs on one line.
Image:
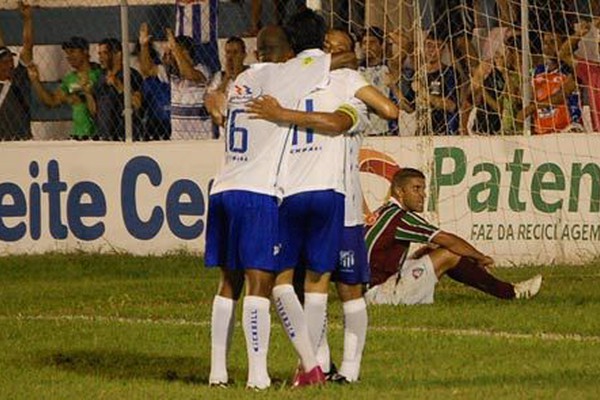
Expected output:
{"points": [[335, 123], [461, 247], [384, 107], [344, 60]]}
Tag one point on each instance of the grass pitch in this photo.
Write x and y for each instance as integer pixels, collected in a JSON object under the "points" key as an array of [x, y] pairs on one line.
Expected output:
{"points": [[121, 327]]}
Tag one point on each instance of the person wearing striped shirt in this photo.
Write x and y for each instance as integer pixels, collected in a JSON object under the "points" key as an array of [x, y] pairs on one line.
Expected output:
{"points": [[399, 279]]}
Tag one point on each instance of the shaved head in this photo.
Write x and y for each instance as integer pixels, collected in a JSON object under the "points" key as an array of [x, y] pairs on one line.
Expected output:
{"points": [[338, 41], [272, 45]]}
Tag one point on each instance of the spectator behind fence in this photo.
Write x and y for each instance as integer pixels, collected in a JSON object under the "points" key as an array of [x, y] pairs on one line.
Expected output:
{"points": [[556, 102], [374, 70], [487, 88], [588, 72], [76, 88], [235, 54], [189, 117], [110, 103], [438, 90], [15, 91], [156, 114], [512, 100]]}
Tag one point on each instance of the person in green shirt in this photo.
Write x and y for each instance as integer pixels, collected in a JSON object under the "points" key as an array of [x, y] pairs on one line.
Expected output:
{"points": [[76, 88]]}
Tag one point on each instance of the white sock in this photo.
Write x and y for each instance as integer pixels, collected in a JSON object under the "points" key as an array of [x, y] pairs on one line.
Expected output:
{"points": [[355, 334], [292, 317], [315, 311], [323, 354], [221, 330], [256, 321]]}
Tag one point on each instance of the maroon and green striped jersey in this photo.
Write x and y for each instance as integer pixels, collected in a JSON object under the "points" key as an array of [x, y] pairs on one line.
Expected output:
{"points": [[390, 236]]}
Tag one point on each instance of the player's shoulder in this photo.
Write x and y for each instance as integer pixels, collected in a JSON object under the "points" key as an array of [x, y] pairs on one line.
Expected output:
{"points": [[247, 85]]}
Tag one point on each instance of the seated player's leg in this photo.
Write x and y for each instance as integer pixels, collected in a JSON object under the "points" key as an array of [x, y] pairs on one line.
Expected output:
{"points": [[468, 272], [417, 282]]}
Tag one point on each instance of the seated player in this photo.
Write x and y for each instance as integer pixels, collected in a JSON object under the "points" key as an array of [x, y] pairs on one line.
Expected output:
{"points": [[396, 279]]}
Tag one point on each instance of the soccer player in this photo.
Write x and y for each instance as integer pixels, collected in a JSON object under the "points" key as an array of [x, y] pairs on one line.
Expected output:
{"points": [[242, 228], [395, 279], [311, 218]]}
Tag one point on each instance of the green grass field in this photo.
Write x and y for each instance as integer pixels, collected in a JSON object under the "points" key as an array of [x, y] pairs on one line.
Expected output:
{"points": [[122, 327]]}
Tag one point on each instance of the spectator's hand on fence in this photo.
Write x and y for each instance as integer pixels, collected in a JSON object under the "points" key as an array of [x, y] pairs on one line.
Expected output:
{"points": [[581, 29], [264, 107], [145, 36]]}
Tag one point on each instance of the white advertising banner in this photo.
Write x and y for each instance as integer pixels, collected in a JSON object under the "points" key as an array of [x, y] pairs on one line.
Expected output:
{"points": [[142, 198], [519, 199]]}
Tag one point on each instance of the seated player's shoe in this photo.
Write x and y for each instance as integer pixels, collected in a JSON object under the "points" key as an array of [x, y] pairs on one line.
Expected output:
{"points": [[529, 288], [313, 377], [258, 386], [339, 379]]}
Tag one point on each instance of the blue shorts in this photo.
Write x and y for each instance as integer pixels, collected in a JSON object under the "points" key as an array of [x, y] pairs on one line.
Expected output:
{"points": [[353, 266], [311, 226], [242, 231]]}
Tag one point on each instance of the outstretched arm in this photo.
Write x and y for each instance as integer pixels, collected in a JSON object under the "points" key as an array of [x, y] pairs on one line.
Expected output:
{"points": [[461, 247], [384, 107], [335, 123]]}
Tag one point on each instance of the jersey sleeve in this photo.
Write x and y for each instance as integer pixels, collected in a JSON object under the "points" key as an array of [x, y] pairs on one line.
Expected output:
{"points": [[357, 111], [293, 80], [413, 228], [354, 82]]}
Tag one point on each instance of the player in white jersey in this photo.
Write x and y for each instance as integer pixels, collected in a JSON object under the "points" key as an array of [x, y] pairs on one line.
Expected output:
{"points": [[352, 269], [312, 213], [242, 227]]}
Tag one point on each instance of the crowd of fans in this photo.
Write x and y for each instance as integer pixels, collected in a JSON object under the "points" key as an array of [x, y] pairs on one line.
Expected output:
{"points": [[438, 76]]}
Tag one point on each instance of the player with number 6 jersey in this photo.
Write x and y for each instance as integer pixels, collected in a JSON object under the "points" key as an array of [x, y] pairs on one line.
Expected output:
{"points": [[242, 228]]}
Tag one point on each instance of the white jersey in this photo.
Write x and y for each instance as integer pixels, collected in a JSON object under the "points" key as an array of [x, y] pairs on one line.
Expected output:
{"points": [[254, 147], [353, 205], [315, 161]]}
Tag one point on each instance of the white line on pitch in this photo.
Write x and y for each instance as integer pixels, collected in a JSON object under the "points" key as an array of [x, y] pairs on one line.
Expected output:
{"points": [[548, 336]]}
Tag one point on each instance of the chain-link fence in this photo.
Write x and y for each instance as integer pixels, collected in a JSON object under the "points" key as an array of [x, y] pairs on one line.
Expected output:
{"points": [[452, 66]]}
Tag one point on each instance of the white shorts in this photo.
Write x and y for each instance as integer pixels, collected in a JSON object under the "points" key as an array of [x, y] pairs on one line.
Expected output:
{"points": [[415, 286]]}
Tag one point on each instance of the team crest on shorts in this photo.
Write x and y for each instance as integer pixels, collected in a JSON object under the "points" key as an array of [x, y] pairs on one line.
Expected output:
{"points": [[346, 259], [276, 249], [417, 272]]}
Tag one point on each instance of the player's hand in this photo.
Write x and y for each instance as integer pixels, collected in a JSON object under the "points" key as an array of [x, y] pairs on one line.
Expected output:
{"points": [[264, 107], [486, 262], [216, 104]]}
